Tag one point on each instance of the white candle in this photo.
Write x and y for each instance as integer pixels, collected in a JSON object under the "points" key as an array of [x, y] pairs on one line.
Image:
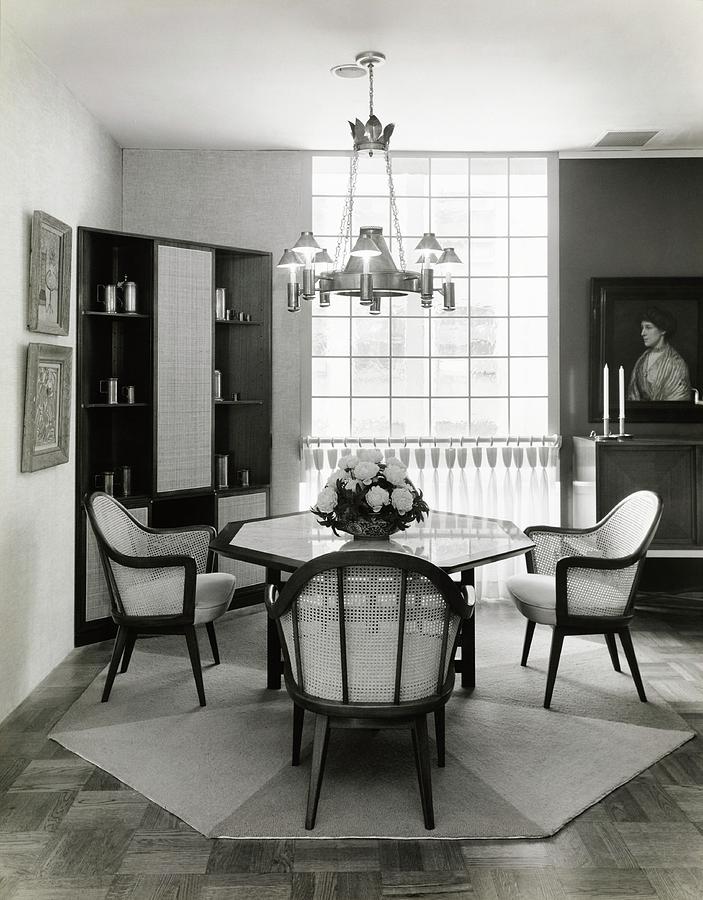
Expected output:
{"points": [[606, 392], [621, 391]]}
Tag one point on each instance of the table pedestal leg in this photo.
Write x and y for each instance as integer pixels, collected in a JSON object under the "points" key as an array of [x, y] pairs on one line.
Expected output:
{"points": [[467, 641], [274, 661]]}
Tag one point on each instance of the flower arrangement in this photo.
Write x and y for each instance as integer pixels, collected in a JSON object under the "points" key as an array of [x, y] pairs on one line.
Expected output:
{"points": [[369, 496]]}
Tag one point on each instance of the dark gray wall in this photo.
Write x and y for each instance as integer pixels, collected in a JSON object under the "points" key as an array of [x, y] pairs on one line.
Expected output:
{"points": [[618, 217]]}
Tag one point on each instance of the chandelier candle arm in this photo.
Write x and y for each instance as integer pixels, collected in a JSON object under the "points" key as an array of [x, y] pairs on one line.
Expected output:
{"points": [[447, 262]]}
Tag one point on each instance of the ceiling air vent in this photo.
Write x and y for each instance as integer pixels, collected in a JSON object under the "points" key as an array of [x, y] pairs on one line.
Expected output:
{"points": [[624, 139]]}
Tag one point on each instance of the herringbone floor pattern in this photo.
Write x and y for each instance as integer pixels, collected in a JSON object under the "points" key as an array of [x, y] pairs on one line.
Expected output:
{"points": [[69, 830]]}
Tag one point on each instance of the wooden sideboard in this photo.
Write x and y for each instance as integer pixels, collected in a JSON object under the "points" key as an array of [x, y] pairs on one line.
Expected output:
{"points": [[606, 471]]}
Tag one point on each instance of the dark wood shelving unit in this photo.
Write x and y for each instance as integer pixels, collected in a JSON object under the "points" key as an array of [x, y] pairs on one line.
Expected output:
{"points": [[138, 349]]}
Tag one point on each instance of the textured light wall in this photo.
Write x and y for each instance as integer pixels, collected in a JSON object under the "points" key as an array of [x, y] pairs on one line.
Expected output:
{"points": [[258, 200], [55, 157]]}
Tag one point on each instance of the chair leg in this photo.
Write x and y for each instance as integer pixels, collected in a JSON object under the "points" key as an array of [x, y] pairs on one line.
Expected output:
{"points": [[613, 650], [128, 647], [439, 735], [114, 661], [424, 770], [194, 652], [529, 631], [626, 639], [554, 654], [213, 642], [317, 769], [298, 716]]}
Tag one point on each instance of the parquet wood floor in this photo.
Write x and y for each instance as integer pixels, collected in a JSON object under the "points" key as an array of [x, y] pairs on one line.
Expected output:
{"points": [[70, 830]]}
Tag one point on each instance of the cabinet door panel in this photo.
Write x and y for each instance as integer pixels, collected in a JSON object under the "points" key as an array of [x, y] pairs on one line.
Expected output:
{"points": [[184, 369], [670, 471], [236, 508]]}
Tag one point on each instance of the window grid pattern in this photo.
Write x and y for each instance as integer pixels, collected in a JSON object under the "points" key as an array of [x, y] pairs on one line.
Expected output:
{"points": [[479, 370]]}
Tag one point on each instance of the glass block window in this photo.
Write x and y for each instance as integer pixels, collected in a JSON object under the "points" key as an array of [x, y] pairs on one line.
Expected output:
{"points": [[482, 369]]}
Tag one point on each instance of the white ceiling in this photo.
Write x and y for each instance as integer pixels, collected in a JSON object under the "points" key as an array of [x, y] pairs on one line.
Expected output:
{"points": [[461, 74]]}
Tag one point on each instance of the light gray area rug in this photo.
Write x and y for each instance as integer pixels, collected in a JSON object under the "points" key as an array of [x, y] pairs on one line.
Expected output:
{"points": [[513, 768]]}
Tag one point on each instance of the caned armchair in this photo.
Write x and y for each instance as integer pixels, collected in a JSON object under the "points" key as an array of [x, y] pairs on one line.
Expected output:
{"points": [[161, 581], [584, 580], [368, 641]]}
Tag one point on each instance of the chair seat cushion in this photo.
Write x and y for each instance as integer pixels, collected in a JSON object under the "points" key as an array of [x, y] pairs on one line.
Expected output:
{"points": [[535, 596], [213, 594]]}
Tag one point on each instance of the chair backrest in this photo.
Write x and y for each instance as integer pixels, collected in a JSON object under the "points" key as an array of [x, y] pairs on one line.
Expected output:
{"points": [[627, 530], [630, 526], [135, 592], [371, 627]]}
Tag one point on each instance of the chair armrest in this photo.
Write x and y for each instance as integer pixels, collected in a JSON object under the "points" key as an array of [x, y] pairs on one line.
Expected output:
{"points": [[271, 596], [468, 597], [152, 568]]}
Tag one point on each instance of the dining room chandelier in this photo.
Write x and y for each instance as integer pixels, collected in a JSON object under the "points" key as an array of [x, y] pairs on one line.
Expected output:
{"points": [[369, 272]]}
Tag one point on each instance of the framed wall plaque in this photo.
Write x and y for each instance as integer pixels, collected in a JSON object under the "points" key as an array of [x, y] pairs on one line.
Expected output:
{"points": [[47, 407], [49, 275]]}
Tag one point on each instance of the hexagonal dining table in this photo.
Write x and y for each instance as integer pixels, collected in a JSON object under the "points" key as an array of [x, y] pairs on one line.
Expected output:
{"points": [[454, 542]]}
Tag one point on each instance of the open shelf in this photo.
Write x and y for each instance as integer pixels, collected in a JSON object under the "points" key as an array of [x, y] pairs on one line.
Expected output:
{"points": [[113, 405], [100, 313], [235, 322], [239, 402]]}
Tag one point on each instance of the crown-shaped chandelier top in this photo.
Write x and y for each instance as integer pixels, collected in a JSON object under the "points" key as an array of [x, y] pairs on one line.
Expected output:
{"points": [[372, 135]]}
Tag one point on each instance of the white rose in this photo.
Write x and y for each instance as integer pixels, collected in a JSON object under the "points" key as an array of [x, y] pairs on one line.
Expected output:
{"points": [[348, 462], [402, 499], [365, 471], [374, 456], [327, 500], [335, 477], [392, 460], [396, 475], [377, 497]]}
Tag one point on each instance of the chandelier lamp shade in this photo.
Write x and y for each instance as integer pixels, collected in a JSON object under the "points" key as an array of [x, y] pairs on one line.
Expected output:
{"points": [[370, 271]]}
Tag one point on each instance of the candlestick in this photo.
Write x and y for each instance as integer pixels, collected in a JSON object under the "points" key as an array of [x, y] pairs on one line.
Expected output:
{"points": [[621, 395], [606, 392]]}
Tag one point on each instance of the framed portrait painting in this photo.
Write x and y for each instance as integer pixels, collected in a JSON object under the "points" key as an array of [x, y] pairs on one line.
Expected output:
{"points": [[653, 327], [47, 407], [49, 275]]}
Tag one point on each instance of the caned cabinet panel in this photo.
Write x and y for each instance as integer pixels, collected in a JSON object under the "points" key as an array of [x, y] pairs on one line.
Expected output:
{"points": [[237, 508], [97, 597], [668, 470], [184, 369]]}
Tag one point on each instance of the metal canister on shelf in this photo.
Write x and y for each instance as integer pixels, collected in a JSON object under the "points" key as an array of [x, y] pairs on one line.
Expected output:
{"points": [[128, 393], [220, 310], [243, 477], [217, 384], [106, 481], [129, 296], [124, 480], [109, 297], [110, 389], [221, 474]]}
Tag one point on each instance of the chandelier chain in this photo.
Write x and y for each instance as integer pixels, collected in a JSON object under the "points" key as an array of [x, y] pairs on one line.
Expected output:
{"points": [[370, 89], [345, 226], [394, 212]]}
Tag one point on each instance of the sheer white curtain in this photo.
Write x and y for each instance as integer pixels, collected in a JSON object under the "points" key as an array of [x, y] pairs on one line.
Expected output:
{"points": [[509, 478]]}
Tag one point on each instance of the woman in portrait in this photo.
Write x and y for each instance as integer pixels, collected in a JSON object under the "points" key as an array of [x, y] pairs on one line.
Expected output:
{"points": [[661, 372]]}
